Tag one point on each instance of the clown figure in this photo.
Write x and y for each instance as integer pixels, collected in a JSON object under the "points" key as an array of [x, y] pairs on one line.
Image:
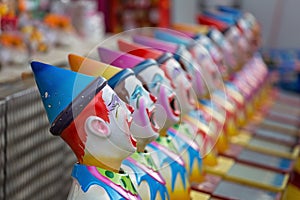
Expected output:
{"points": [[155, 79], [194, 125], [140, 165], [88, 115]]}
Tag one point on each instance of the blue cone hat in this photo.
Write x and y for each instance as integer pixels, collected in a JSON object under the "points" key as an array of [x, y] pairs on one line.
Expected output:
{"points": [[64, 93], [170, 37]]}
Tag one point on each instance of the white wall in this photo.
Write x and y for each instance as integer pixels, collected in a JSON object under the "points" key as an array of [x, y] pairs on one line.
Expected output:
{"points": [[184, 11], [280, 21]]}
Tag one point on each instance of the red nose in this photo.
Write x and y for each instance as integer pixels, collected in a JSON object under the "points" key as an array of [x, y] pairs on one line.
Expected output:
{"points": [[153, 98], [130, 108]]}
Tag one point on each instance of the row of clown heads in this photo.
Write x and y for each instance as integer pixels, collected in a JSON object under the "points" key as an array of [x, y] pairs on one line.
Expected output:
{"points": [[140, 122]]}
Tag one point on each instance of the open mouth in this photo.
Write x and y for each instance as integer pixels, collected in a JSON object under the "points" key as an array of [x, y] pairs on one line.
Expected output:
{"points": [[154, 125], [133, 141], [190, 98], [173, 105]]}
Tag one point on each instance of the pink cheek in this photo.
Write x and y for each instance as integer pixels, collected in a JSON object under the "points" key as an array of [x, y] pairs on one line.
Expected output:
{"points": [[139, 116]]}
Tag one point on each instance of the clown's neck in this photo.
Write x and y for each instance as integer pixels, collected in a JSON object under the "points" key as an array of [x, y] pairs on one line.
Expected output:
{"points": [[114, 164], [140, 148], [163, 132], [142, 143]]}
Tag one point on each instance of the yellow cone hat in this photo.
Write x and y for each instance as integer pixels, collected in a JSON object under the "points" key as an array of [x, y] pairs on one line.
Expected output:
{"points": [[91, 67], [191, 28]]}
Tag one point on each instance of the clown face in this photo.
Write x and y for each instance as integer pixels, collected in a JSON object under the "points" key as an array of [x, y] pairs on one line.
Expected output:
{"points": [[210, 69], [108, 138], [247, 32], [239, 43], [154, 78], [255, 29], [214, 52], [225, 47], [182, 85], [144, 127], [193, 72]]}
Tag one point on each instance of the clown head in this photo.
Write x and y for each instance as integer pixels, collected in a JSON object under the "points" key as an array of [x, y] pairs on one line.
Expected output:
{"points": [[131, 91], [238, 42], [87, 114], [210, 70], [156, 82], [180, 82], [193, 57], [185, 85], [144, 126], [225, 47], [153, 79]]}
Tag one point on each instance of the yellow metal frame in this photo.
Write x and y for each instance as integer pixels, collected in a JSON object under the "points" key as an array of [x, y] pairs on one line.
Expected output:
{"points": [[260, 185], [195, 195], [225, 164], [244, 138]]}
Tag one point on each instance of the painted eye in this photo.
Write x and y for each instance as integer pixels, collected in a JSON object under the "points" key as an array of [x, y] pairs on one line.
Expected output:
{"points": [[137, 92], [177, 71], [153, 85], [156, 80]]}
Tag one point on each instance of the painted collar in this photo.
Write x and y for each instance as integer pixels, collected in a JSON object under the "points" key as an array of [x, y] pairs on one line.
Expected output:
{"points": [[110, 181], [146, 170]]}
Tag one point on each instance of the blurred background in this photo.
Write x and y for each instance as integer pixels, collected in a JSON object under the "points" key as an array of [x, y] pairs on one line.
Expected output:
{"points": [[33, 163], [278, 18]]}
